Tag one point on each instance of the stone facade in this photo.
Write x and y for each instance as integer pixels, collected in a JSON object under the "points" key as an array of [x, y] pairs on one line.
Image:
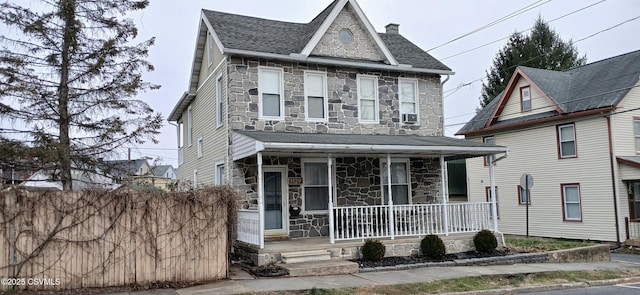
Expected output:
{"points": [[342, 100], [357, 183], [361, 46]]}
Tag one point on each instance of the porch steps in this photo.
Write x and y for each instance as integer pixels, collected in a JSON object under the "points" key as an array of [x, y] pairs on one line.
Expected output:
{"points": [[321, 268], [305, 256]]}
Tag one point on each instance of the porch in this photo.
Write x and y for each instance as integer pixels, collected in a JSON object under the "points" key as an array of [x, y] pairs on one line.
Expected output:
{"points": [[352, 187]]}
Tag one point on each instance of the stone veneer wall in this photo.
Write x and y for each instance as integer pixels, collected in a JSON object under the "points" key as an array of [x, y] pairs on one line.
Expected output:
{"points": [[342, 100], [357, 184], [361, 47]]}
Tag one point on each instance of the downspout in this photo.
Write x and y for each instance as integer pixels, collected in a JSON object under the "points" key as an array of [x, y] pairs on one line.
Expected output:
{"points": [[613, 180]]}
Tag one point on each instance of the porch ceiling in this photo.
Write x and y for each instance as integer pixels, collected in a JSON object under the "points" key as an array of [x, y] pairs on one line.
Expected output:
{"points": [[248, 143]]}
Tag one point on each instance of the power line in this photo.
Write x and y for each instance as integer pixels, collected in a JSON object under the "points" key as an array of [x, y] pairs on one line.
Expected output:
{"points": [[495, 22], [492, 42]]}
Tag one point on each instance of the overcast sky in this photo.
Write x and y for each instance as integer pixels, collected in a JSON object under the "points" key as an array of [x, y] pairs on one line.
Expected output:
{"points": [[427, 23]]}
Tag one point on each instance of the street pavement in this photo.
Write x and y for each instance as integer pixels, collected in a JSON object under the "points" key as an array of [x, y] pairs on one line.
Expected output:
{"points": [[241, 282]]}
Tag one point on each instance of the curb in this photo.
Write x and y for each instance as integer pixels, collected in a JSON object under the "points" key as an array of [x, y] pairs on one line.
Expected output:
{"points": [[553, 287], [520, 258]]}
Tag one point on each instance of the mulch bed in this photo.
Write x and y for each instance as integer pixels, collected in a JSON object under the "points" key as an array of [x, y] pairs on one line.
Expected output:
{"points": [[403, 260]]}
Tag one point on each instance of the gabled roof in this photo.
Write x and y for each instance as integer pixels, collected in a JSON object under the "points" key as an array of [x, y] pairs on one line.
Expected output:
{"points": [[160, 170], [118, 168], [575, 92]]}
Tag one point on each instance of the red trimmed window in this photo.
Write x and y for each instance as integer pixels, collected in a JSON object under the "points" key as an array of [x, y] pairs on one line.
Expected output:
{"points": [[571, 202], [525, 98], [567, 147]]}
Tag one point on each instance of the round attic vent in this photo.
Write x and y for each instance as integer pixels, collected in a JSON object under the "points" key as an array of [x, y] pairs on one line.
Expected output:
{"points": [[345, 36]]}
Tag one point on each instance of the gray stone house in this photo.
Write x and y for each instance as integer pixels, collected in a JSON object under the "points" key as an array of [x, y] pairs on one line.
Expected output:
{"points": [[312, 121]]}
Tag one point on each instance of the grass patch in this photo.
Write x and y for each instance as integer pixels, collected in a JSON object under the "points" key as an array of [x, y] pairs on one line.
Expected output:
{"points": [[477, 283], [535, 244]]}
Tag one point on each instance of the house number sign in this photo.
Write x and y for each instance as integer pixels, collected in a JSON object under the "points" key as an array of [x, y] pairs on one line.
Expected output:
{"points": [[295, 180]]}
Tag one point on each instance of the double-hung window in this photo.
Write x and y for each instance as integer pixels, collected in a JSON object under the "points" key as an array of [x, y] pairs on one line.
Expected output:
{"points": [[220, 176], [189, 126], [271, 93], [525, 98], [367, 99], [400, 182], [408, 89], [572, 210], [316, 186], [634, 200], [567, 141], [315, 89], [219, 102], [200, 147], [636, 133]]}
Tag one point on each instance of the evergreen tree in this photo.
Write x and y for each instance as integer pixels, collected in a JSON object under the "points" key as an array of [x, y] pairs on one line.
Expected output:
{"points": [[543, 49], [70, 78]]}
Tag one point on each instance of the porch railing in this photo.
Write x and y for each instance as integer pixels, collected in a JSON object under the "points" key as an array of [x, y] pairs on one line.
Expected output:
{"points": [[362, 222], [249, 226]]}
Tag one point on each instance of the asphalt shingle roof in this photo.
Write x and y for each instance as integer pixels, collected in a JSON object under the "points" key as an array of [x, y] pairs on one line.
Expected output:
{"points": [[596, 85], [272, 36], [161, 169]]}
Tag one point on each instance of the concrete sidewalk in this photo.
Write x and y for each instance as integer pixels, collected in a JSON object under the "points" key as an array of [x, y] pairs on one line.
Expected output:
{"points": [[246, 284]]}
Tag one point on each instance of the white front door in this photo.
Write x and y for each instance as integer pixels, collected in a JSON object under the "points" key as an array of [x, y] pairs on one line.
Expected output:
{"points": [[275, 201]]}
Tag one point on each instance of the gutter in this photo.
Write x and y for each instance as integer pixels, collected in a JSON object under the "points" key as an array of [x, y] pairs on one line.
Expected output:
{"points": [[382, 148], [317, 60], [184, 100]]}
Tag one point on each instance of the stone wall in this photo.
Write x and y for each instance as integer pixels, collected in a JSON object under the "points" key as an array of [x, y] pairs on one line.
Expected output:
{"points": [[342, 101], [361, 47]]}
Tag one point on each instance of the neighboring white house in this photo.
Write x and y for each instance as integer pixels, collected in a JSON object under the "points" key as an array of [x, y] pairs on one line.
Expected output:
{"points": [[310, 121], [81, 180], [577, 133], [165, 171]]}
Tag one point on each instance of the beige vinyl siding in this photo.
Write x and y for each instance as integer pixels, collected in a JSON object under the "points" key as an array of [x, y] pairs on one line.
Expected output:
{"points": [[622, 123], [512, 108], [214, 139], [535, 151], [205, 68]]}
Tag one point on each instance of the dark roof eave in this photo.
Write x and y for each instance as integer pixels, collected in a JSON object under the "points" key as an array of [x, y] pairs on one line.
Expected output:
{"points": [[536, 121], [179, 108], [334, 62]]}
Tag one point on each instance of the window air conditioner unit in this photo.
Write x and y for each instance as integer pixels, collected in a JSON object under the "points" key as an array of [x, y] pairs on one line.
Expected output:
{"points": [[409, 118]]}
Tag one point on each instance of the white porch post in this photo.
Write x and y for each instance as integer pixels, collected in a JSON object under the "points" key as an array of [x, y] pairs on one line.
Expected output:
{"points": [[389, 193], [443, 179], [492, 189], [330, 179], [261, 199]]}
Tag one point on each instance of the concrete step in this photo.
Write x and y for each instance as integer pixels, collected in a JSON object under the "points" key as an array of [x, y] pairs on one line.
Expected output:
{"points": [[321, 268], [305, 256]]}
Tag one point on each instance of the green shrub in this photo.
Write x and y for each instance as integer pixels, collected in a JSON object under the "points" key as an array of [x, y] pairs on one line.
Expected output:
{"points": [[373, 250], [432, 246], [485, 241]]}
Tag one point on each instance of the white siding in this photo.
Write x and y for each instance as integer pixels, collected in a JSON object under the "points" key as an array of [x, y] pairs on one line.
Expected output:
{"points": [[535, 151], [512, 108], [622, 123]]}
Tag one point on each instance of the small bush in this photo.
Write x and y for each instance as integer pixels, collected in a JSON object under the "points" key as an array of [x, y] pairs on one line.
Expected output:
{"points": [[373, 250], [432, 246], [485, 241]]}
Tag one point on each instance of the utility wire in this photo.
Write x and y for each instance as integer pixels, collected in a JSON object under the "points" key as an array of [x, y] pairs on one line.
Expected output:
{"points": [[495, 22]]}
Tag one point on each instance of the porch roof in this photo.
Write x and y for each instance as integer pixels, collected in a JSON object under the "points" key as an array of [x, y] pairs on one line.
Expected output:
{"points": [[248, 143]]}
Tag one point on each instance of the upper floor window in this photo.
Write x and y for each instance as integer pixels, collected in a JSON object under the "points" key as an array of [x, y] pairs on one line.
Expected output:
{"points": [[400, 182], [489, 140], [636, 133], [219, 102], [271, 98], [408, 100], [525, 98], [189, 126], [209, 48], [367, 99], [567, 141], [315, 89], [571, 202]]}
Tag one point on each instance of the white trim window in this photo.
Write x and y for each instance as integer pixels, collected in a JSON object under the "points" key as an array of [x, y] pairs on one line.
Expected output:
{"points": [[408, 94], [209, 49], [567, 141], [367, 99], [316, 185], [315, 94], [189, 126], [525, 98], [636, 133], [571, 202], [195, 178], [220, 173], [200, 147], [271, 94], [219, 102], [400, 181]]}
